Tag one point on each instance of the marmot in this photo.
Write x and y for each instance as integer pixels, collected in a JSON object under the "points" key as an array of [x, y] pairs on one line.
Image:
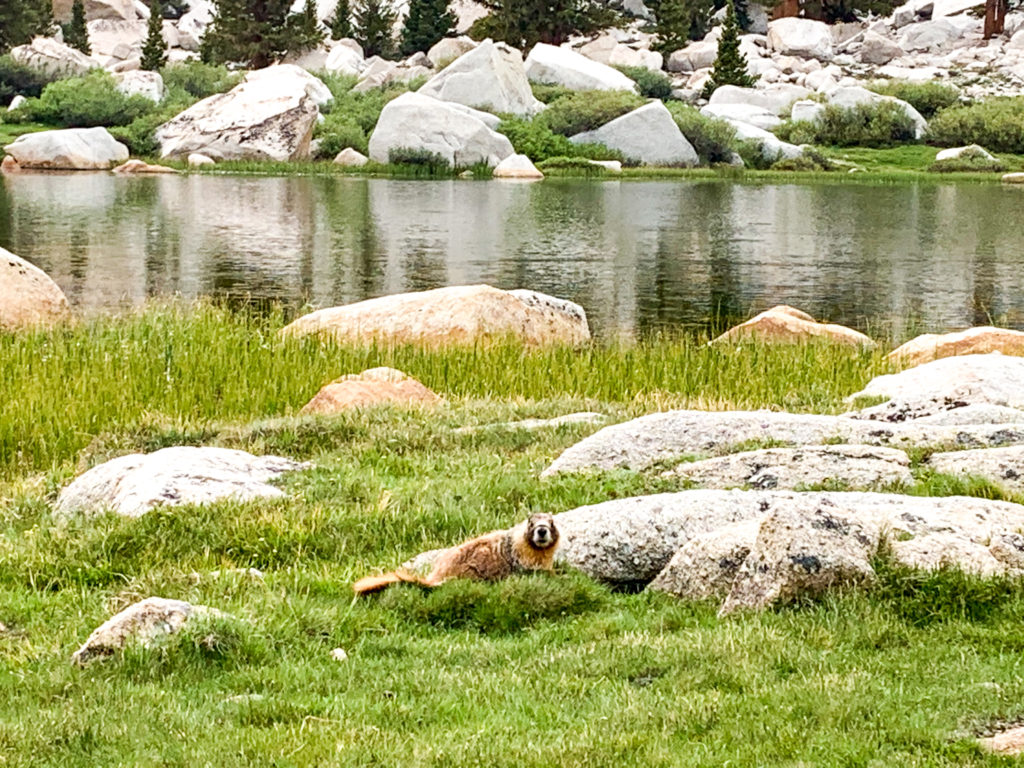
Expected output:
{"points": [[530, 546]]}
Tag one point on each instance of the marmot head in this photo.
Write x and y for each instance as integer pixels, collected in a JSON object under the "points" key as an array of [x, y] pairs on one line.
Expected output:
{"points": [[541, 532]]}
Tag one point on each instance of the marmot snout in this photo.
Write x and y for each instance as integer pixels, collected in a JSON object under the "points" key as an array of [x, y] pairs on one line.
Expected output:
{"points": [[530, 546]]}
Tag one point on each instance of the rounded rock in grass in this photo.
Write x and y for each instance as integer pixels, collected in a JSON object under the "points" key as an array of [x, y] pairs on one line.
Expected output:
{"points": [[377, 386], [28, 297], [142, 622], [458, 315], [783, 324], [133, 485], [973, 341]]}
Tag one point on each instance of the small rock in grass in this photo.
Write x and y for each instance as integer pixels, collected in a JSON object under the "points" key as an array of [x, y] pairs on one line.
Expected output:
{"points": [[339, 654], [376, 386], [352, 158], [788, 325]]}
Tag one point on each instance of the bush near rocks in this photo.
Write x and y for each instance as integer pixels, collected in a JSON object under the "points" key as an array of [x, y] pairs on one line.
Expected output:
{"points": [[884, 124], [198, 79], [651, 84], [524, 23], [997, 125], [582, 111], [351, 117], [85, 102], [926, 98], [971, 160], [538, 142], [17, 79], [713, 140]]}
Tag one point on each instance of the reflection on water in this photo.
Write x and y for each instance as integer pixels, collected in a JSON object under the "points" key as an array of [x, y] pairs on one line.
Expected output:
{"points": [[637, 255]]}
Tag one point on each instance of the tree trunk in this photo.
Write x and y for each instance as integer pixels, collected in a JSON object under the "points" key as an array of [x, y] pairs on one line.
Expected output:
{"points": [[785, 9], [995, 18]]}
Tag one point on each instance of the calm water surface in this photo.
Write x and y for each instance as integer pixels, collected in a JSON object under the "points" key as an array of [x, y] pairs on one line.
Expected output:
{"points": [[638, 256]]}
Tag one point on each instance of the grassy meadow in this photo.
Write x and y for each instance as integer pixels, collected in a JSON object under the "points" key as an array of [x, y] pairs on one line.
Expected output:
{"points": [[534, 671]]}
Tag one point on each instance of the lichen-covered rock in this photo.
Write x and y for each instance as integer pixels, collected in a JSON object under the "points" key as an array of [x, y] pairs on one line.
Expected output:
{"points": [[459, 135], [973, 341], [788, 325], [490, 76], [948, 550], [944, 412], [706, 565], [269, 116], [803, 548], [52, 59], [956, 381], [630, 541], [70, 149], [447, 50], [28, 297], [468, 314], [142, 622], [1002, 466], [376, 386], [133, 485], [854, 466], [658, 437], [648, 135]]}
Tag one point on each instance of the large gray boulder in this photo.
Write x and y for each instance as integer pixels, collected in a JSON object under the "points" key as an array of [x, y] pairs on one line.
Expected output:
{"points": [[658, 437], [414, 121], [803, 548], [936, 35], [853, 96], [269, 116], [772, 147], [118, 10], [877, 49], [52, 59], [950, 382], [133, 485], [800, 37], [70, 149], [699, 54], [853, 466], [744, 113], [28, 297], [633, 542], [491, 76], [648, 135], [447, 50], [551, 65], [116, 39], [1002, 466], [142, 622], [777, 99], [141, 83]]}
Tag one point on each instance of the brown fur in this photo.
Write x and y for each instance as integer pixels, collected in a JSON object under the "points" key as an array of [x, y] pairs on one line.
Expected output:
{"points": [[490, 557]]}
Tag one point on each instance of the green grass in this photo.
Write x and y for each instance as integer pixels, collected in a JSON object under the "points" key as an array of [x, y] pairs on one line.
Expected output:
{"points": [[10, 131], [534, 671]]}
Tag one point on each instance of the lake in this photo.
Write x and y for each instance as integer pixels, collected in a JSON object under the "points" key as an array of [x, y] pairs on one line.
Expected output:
{"points": [[638, 255]]}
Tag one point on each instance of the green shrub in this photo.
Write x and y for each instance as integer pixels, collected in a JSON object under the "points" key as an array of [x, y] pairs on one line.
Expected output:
{"points": [[548, 93], [808, 161], [18, 79], [997, 125], [972, 159], [140, 134], [576, 165], [586, 110], [926, 98], [865, 125], [538, 142], [713, 140], [199, 80], [337, 132], [651, 84], [85, 102], [422, 158]]}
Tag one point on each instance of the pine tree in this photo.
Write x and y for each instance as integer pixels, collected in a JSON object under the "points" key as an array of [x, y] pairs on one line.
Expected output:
{"points": [[256, 33], [21, 20], [154, 52], [340, 24], [307, 25], [672, 26], [373, 27], [730, 67], [75, 33], [523, 23], [428, 21]]}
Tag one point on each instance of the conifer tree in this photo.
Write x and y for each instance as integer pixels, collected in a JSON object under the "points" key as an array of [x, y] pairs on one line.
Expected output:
{"points": [[154, 52], [21, 20], [373, 24], [307, 25], [730, 67], [75, 33], [428, 21], [256, 33], [677, 22], [340, 24], [523, 23]]}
